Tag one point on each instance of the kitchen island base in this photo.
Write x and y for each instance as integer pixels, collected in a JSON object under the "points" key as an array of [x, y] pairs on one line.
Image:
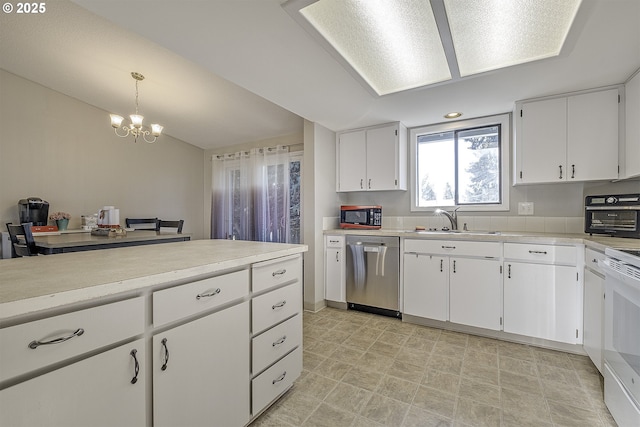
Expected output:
{"points": [[214, 343]]}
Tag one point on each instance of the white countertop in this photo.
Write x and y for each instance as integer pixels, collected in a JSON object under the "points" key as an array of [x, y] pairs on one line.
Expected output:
{"points": [[595, 242], [32, 284]]}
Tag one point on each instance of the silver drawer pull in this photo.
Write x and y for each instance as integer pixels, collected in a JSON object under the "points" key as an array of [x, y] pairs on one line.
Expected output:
{"points": [[210, 294], [34, 344], [538, 252], [448, 247], [280, 378], [279, 272], [280, 341], [279, 305]]}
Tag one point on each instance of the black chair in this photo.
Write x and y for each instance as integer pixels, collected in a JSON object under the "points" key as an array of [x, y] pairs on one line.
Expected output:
{"points": [[177, 225], [26, 248], [142, 223]]}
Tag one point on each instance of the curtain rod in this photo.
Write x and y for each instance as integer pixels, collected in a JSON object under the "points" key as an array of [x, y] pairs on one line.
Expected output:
{"points": [[288, 147]]}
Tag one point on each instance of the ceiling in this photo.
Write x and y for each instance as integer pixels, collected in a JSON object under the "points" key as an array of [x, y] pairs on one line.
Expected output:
{"points": [[224, 72]]}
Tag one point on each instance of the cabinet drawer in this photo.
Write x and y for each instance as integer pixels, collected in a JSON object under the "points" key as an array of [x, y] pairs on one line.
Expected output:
{"points": [[275, 380], [74, 334], [591, 259], [181, 301], [334, 241], [275, 342], [272, 273], [550, 254], [275, 306], [453, 247]]}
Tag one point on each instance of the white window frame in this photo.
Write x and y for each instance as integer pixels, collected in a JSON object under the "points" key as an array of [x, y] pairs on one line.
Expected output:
{"points": [[504, 120]]}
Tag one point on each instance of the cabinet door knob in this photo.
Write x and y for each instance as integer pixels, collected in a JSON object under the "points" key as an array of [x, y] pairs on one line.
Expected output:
{"points": [[136, 367], [166, 354], [35, 343]]}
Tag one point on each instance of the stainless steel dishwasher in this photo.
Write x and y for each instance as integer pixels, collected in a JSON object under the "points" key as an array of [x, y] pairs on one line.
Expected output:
{"points": [[373, 274]]}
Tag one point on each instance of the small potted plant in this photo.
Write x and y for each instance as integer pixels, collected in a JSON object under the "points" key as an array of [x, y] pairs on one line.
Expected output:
{"points": [[61, 219]]}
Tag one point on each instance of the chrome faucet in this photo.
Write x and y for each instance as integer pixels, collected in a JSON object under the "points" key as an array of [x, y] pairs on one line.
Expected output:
{"points": [[453, 218]]}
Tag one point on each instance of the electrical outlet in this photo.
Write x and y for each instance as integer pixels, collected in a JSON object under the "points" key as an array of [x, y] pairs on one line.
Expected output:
{"points": [[525, 208]]}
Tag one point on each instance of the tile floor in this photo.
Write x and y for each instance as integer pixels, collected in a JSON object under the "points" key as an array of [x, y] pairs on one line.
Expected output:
{"points": [[367, 370]]}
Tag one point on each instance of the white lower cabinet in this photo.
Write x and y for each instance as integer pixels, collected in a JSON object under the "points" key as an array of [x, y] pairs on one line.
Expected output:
{"points": [[542, 301], [334, 269], [222, 348], [426, 286], [475, 293], [440, 285], [107, 389], [594, 308], [201, 371], [276, 343], [275, 380]]}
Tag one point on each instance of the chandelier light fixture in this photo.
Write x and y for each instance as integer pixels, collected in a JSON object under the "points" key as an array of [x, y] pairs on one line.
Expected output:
{"points": [[135, 128]]}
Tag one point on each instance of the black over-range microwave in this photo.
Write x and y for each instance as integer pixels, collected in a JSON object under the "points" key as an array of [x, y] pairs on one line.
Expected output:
{"points": [[616, 215]]}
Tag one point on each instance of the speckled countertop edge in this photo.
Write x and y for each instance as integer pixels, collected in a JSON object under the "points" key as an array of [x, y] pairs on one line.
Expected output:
{"points": [[595, 242], [32, 284]]}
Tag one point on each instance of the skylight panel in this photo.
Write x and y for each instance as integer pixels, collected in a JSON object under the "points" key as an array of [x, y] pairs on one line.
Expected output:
{"points": [[393, 46], [492, 34]]}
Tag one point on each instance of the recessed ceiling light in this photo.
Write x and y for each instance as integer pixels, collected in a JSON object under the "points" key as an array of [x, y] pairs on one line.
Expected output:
{"points": [[453, 115]]}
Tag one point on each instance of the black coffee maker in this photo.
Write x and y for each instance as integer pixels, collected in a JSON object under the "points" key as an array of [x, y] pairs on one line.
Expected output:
{"points": [[34, 210]]}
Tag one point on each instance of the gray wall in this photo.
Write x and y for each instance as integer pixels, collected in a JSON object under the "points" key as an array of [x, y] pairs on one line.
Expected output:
{"points": [[64, 151]]}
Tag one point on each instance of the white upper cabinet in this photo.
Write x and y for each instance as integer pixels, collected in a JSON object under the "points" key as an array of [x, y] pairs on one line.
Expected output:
{"points": [[372, 159], [568, 138], [631, 153]]}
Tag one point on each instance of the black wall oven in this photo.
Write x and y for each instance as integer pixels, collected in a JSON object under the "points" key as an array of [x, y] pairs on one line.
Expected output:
{"points": [[615, 215]]}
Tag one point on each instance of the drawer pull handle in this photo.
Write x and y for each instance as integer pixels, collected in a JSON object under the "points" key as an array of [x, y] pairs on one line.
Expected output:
{"points": [[279, 272], [35, 344], [278, 305], [136, 367], [210, 294], [448, 247], [280, 378], [538, 252], [280, 341], [166, 354]]}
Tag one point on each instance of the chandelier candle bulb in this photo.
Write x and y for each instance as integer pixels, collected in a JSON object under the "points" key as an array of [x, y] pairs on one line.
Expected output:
{"points": [[136, 120], [156, 129], [116, 120]]}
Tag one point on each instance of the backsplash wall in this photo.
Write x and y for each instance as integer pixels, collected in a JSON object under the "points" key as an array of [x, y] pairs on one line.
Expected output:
{"points": [[550, 200]]}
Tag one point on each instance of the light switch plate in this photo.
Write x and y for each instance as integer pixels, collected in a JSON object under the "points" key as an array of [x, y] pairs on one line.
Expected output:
{"points": [[525, 208]]}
